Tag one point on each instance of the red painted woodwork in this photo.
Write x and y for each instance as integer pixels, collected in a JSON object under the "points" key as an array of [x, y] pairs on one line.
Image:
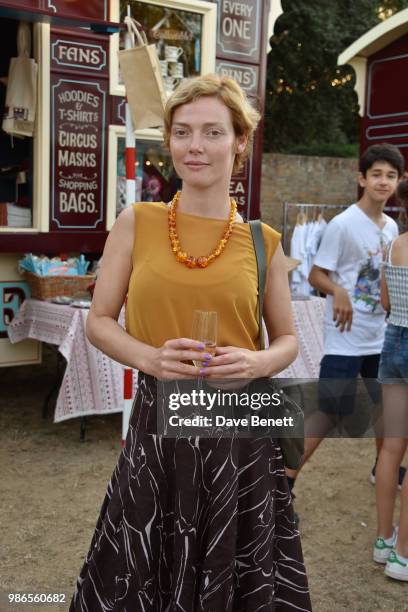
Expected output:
{"points": [[386, 112], [53, 242], [69, 61]]}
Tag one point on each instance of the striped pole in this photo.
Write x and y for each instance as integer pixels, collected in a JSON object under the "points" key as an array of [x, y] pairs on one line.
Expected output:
{"points": [[130, 153], [130, 162], [127, 401]]}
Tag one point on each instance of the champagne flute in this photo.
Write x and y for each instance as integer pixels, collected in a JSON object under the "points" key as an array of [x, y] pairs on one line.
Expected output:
{"points": [[205, 324]]}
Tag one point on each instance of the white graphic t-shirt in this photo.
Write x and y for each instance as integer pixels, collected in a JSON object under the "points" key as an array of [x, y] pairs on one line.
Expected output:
{"points": [[353, 248]]}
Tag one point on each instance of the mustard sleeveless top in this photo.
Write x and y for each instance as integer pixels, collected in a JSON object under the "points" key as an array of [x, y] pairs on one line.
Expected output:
{"points": [[163, 293]]}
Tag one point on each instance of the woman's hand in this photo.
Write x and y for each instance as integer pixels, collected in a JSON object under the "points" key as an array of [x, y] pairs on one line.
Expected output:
{"points": [[234, 362], [168, 361]]}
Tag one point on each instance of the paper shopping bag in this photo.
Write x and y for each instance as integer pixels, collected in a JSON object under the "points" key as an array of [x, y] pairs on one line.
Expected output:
{"points": [[21, 95], [141, 74]]}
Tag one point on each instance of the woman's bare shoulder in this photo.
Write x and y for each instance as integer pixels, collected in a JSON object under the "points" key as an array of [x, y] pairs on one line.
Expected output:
{"points": [[400, 250], [127, 216], [400, 243], [123, 229]]}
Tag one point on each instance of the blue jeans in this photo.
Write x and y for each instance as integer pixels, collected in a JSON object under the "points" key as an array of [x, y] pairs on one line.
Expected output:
{"points": [[338, 382], [394, 357]]}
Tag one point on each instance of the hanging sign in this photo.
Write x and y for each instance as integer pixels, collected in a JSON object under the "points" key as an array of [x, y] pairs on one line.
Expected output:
{"points": [[246, 76], [78, 120], [87, 55], [240, 188], [239, 29]]}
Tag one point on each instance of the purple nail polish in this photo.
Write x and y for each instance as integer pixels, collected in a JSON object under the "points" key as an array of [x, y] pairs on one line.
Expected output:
{"points": [[205, 363], [202, 372], [201, 347], [207, 357]]}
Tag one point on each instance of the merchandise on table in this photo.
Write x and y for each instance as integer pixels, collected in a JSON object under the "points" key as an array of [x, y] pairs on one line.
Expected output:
{"points": [[51, 278]]}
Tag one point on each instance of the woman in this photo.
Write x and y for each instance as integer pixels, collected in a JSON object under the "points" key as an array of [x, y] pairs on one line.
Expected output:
{"points": [[391, 545], [193, 524]]}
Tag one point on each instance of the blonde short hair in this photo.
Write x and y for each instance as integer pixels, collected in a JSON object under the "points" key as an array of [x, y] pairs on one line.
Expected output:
{"points": [[245, 117]]}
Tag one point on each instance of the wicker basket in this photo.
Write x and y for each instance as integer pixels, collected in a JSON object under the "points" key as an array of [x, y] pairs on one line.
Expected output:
{"points": [[46, 287]]}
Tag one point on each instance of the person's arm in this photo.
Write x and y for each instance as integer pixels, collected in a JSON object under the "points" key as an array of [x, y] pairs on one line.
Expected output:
{"points": [[385, 298], [237, 362], [103, 329], [342, 308]]}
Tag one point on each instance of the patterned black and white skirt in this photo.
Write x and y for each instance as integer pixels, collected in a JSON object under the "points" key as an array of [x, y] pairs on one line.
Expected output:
{"points": [[193, 525]]}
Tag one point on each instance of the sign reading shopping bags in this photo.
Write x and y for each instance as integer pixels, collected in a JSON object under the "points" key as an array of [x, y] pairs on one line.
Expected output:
{"points": [[141, 74], [21, 96]]}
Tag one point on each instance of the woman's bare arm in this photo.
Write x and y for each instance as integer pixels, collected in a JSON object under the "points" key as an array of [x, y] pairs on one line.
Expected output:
{"points": [[102, 327], [385, 298]]}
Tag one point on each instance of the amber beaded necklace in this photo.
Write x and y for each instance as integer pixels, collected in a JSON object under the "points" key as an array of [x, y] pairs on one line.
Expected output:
{"points": [[203, 260]]}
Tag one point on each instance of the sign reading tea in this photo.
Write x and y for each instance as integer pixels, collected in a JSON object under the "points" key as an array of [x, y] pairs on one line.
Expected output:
{"points": [[78, 149], [240, 189]]}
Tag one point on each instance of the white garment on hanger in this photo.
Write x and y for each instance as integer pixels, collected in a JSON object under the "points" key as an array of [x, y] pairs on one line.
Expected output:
{"points": [[298, 251], [319, 229], [21, 95], [304, 245]]}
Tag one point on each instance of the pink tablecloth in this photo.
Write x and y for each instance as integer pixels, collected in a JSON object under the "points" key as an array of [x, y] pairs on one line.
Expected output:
{"points": [[92, 383], [309, 318]]}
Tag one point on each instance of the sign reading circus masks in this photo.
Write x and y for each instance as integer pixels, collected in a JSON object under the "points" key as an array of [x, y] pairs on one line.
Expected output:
{"points": [[78, 152]]}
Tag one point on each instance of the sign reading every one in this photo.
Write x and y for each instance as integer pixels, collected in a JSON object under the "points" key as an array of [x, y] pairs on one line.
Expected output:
{"points": [[239, 29], [78, 152]]}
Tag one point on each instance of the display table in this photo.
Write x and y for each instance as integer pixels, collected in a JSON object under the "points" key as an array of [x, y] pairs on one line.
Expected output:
{"points": [[309, 318], [93, 383]]}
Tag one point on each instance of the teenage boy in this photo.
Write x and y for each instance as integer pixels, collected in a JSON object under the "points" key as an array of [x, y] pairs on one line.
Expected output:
{"points": [[347, 269]]}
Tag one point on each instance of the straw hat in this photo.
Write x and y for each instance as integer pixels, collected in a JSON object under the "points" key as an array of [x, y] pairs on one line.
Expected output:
{"points": [[292, 263]]}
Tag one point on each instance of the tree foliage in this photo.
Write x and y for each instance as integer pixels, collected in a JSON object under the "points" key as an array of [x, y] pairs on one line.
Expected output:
{"points": [[309, 99]]}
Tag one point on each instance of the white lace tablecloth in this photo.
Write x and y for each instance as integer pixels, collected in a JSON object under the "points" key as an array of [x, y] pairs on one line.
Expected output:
{"points": [[92, 382], [309, 316]]}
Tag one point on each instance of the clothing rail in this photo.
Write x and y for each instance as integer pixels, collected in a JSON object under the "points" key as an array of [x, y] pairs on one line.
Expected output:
{"points": [[301, 207]]}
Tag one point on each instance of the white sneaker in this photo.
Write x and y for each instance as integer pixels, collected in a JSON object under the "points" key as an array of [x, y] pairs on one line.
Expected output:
{"points": [[382, 550], [396, 568]]}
